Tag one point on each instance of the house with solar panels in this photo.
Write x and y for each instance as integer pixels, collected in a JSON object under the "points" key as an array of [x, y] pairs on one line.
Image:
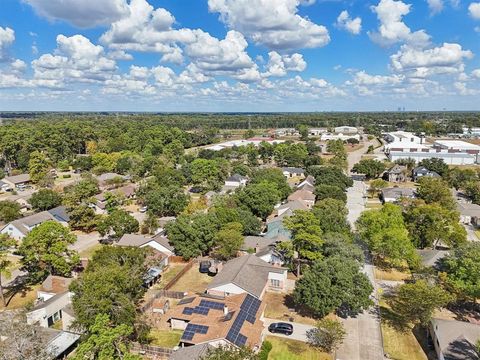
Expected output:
{"points": [[248, 274], [235, 320]]}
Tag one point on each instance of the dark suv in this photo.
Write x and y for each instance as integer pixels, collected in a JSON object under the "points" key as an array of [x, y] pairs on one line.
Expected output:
{"points": [[204, 267], [281, 328]]}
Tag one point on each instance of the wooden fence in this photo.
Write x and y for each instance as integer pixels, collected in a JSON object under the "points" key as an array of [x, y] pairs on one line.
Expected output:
{"points": [[179, 275], [161, 293], [151, 351]]}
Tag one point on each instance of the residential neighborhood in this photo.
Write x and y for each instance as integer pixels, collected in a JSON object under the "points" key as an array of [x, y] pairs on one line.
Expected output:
{"points": [[256, 248]]}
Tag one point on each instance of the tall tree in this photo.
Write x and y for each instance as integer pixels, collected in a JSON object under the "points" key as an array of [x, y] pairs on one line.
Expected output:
{"points": [[306, 234], [417, 301], [9, 211], [45, 199], [111, 285], [331, 284], [369, 167], [228, 240], [332, 215], [38, 166], [434, 190], [386, 235], [260, 198], [45, 250], [328, 334], [272, 175], [432, 225], [5, 264], [105, 342], [435, 164], [119, 222], [230, 353], [462, 270]]}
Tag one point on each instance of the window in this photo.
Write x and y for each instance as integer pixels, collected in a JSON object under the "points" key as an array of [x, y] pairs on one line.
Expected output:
{"points": [[275, 283]]}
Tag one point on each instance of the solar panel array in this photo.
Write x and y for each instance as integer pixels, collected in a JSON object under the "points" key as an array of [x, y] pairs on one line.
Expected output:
{"points": [[193, 329], [248, 311], [203, 308]]}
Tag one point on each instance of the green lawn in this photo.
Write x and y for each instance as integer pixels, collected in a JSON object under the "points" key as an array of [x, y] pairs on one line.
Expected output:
{"points": [[401, 345], [88, 253], [169, 274], [165, 338], [284, 349]]}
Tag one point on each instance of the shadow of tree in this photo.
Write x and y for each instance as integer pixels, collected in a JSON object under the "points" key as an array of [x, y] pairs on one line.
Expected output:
{"points": [[20, 285]]}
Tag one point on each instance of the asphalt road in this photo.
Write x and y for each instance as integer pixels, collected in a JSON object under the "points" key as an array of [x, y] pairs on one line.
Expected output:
{"points": [[299, 330]]}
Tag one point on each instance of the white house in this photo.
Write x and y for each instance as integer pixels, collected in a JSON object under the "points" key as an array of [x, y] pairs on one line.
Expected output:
{"points": [[158, 242], [290, 172], [48, 312], [19, 228], [236, 181], [248, 274], [339, 136], [391, 195], [316, 132], [403, 137]]}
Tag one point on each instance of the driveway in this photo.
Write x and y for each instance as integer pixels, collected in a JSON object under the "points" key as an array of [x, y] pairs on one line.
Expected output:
{"points": [[85, 241], [471, 236], [299, 330]]}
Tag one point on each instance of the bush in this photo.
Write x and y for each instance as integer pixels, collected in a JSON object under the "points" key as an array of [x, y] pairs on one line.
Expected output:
{"points": [[66, 176], [265, 350]]}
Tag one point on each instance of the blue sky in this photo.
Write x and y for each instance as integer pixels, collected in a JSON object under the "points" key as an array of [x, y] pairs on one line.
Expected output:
{"points": [[239, 55]]}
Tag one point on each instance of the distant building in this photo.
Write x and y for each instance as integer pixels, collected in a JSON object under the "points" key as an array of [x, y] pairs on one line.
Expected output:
{"points": [[469, 213], [391, 195], [422, 171], [398, 173], [15, 182], [316, 131], [238, 143], [290, 172], [471, 132], [236, 181], [346, 130], [339, 136], [403, 137]]}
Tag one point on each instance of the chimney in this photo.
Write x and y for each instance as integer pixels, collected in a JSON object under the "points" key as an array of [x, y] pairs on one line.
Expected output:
{"points": [[225, 310]]}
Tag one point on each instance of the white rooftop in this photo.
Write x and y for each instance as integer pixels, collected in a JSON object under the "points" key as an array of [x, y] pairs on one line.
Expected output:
{"points": [[457, 145]]}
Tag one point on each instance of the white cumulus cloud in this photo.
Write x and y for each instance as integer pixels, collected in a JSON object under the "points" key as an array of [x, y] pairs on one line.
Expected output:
{"points": [[353, 26], [392, 29], [81, 13], [435, 6], [7, 37], [279, 65], [275, 24], [474, 10]]}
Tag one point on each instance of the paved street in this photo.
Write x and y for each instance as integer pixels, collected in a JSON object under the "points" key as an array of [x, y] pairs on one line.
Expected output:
{"points": [[471, 236], [355, 201], [299, 330]]}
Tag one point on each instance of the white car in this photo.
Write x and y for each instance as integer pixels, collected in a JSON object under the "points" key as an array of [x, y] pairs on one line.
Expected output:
{"points": [[143, 209]]}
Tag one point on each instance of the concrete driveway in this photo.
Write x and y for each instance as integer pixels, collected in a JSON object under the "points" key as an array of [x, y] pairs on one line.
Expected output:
{"points": [[299, 330]]}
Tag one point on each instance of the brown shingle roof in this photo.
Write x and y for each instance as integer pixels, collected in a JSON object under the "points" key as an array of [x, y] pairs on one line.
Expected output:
{"points": [[218, 324], [302, 194], [56, 284]]}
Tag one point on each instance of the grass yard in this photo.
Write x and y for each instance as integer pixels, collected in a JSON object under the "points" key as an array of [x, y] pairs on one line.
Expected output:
{"points": [[165, 338], [192, 281], [373, 205], [169, 274], [284, 349], [20, 299], [88, 253], [391, 275], [278, 307], [401, 345]]}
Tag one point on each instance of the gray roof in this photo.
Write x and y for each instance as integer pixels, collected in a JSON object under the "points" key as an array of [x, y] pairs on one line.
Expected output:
{"points": [[295, 170], [468, 209], [252, 242], [139, 240], [397, 169], [18, 179], [247, 272], [109, 176], [457, 339], [24, 224], [237, 178], [195, 352], [294, 205], [60, 213], [61, 343], [397, 192]]}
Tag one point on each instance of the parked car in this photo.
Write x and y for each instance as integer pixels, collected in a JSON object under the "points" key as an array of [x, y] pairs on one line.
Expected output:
{"points": [[281, 328], [204, 266], [143, 209]]}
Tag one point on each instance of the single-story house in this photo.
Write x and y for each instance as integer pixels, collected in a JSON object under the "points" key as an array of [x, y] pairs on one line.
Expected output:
{"points": [[19, 228], [158, 242], [290, 207], [100, 203], [248, 274], [236, 181], [304, 195], [105, 179], [308, 184], [454, 340], [48, 312], [421, 171], [398, 173], [391, 195], [22, 200], [469, 213], [16, 181], [264, 248], [53, 285], [232, 321], [290, 172]]}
